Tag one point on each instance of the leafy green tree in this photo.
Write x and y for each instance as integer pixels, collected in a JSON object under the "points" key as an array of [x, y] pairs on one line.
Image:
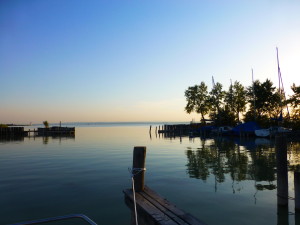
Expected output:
{"points": [[46, 124], [263, 99], [216, 97], [197, 100], [225, 117], [235, 99], [229, 98], [294, 101], [239, 99]]}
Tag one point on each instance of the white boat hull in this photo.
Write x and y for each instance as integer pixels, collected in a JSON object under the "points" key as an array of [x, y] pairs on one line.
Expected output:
{"points": [[262, 132], [272, 131]]}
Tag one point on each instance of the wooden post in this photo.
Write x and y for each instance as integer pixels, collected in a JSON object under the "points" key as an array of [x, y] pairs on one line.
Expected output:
{"points": [[282, 172], [139, 158], [282, 215], [297, 190]]}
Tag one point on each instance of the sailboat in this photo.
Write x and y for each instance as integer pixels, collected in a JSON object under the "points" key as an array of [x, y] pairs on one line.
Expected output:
{"points": [[271, 131]]}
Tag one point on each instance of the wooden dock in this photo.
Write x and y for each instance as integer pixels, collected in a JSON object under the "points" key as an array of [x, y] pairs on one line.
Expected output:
{"points": [[13, 131], [153, 209], [54, 131]]}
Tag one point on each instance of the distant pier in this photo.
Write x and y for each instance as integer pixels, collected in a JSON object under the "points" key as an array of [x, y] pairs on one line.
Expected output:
{"points": [[55, 131], [179, 128], [51, 131], [12, 131]]}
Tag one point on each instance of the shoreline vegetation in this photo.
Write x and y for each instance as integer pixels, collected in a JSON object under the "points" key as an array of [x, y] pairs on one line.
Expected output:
{"points": [[261, 102]]}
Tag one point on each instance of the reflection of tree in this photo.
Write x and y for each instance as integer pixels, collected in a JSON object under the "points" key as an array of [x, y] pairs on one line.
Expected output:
{"points": [[294, 156], [226, 157], [197, 164], [45, 140], [237, 164], [263, 164]]}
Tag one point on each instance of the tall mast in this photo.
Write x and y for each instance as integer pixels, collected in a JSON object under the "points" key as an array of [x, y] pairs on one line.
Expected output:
{"points": [[278, 71], [280, 87], [253, 94]]}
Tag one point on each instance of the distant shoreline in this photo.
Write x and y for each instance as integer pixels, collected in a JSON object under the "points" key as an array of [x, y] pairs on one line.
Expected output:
{"points": [[108, 124]]}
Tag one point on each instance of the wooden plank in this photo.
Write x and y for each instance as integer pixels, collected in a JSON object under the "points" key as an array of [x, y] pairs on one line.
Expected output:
{"points": [[163, 208], [148, 209], [160, 209], [186, 217]]}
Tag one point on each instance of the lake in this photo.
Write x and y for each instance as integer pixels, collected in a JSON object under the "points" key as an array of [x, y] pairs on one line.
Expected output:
{"points": [[219, 180]]}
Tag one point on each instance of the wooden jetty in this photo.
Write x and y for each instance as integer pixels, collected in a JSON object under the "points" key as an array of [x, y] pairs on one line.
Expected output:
{"points": [[13, 131], [57, 130], [177, 128], [153, 209]]}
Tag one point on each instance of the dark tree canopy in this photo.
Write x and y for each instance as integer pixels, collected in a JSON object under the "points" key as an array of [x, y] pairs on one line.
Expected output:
{"points": [[261, 102]]}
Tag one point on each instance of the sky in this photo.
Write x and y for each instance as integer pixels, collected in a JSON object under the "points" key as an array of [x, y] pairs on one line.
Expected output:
{"points": [[132, 60]]}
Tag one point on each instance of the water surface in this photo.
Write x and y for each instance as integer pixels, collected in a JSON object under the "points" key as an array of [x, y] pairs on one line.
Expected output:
{"points": [[220, 181]]}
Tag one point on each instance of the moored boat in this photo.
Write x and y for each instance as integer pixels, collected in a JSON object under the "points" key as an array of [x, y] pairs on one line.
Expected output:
{"points": [[271, 131]]}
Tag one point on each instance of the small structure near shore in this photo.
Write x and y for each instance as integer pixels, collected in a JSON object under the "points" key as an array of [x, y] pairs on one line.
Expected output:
{"points": [[147, 206], [57, 130], [12, 131]]}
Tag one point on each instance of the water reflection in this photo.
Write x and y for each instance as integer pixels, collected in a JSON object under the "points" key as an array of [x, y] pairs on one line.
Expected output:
{"points": [[5, 138], [219, 157], [45, 139], [247, 159]]}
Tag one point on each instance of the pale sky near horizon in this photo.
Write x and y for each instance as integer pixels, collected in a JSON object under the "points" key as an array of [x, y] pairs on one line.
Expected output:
{"points": [[130, 60]]}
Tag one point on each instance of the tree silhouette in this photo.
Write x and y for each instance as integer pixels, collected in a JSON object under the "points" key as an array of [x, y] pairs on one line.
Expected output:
{"points": [[197, 100]]}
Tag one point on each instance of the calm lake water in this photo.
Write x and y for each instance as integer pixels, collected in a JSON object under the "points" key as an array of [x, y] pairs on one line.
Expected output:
{"points": [[220, 181]]}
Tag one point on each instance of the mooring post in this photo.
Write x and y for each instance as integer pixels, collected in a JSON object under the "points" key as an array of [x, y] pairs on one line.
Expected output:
{"points": [[282, 172], [297, 190], [138, 167]]}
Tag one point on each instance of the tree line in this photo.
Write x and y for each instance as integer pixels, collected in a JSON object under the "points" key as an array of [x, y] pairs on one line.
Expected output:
{"points": [[261, 102]]}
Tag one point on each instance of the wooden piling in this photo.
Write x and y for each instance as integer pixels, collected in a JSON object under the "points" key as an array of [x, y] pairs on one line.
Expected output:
{"points": [[138, 163], [151, 208], [282, 172], [297, 190], [282, 215]]}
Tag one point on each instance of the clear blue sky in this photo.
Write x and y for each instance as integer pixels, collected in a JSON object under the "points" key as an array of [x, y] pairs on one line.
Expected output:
{"points": [[131, 60]]}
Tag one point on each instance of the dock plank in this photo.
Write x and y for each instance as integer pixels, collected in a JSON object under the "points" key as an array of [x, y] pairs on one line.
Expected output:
{"points": [[160, 209], [147, 209], [186, 217]]}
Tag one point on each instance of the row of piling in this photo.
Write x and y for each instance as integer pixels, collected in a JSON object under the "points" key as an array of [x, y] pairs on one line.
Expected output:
{"points": [[11, 131], [282, 175]]}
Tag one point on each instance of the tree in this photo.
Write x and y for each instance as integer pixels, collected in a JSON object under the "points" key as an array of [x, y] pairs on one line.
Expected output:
{"points": [[216, 99], [229, 98], [239, 99], [46, 124], [263, 98], [197, 99], [225, 117], [294, 101]]}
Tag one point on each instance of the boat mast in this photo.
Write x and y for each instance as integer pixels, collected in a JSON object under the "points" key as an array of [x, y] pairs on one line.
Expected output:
{"points": [[213, 81], [253, 95], [280, 86]]}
